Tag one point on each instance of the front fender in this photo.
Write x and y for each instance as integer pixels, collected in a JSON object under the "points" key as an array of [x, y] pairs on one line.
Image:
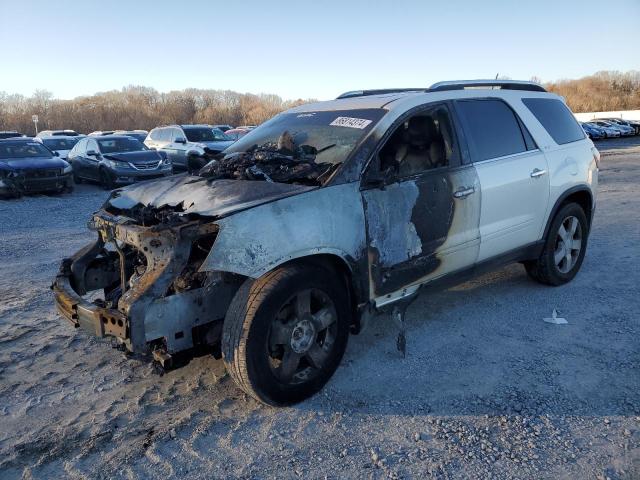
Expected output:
{"points": [[328, 220]]}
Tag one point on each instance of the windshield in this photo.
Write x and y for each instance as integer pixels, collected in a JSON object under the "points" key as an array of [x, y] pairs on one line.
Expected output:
{"points": [[117, 145], [295, 147], [60, 143], [205, 134], [23, 150]]}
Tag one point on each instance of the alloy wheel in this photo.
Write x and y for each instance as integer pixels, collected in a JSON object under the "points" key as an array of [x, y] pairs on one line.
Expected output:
{"points": [[301, 336], [568, 244]]}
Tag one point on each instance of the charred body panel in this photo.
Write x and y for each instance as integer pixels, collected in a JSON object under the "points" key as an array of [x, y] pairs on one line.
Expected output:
{"points": [[189, 195], [419, 229], [326, 221]]}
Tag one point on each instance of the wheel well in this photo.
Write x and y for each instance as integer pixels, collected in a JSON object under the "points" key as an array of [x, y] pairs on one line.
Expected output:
{"points": [[579, 195], [344, 272], [582, 198]]}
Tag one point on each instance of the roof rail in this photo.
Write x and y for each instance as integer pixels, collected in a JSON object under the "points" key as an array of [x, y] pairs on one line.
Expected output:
{"points": [[364, 93], [495, 84]]}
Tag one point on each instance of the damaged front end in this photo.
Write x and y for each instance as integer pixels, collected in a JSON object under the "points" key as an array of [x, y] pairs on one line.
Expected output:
{"points": [[143, 284]]}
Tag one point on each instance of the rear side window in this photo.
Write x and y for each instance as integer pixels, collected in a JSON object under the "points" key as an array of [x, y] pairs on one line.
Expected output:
{"points": [[556, 118], [491, 127]]}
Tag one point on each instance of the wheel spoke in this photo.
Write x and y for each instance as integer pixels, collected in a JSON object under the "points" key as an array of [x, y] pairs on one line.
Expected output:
{"points": [[577, 245], [303, 303], [289, 365], [323, 318], [317, 356], [573, 225], [563, 233], [280, 334], [558, 254]]}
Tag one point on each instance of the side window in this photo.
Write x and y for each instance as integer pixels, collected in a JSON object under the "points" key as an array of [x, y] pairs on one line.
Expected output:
{"points": [[175, 133], [423, 142], [556, 118], [153, 134], [93, 145], [492, 128]]}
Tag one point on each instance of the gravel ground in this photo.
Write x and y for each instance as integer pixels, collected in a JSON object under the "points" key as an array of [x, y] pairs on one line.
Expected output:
{"points": [[488, 390]]}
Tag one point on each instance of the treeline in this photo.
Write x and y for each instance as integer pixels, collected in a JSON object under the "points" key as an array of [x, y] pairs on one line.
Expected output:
{"points": [[143, 107], [137, 107], [601, 92]]}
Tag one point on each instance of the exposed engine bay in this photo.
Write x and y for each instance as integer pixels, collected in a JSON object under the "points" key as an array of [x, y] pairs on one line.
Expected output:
{"points": [[280, 161]]}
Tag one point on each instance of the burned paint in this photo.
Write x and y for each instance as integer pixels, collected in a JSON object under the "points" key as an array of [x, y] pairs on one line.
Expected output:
{"points": [[324, 221], [446, 227], [198, 196], [391, 231]]}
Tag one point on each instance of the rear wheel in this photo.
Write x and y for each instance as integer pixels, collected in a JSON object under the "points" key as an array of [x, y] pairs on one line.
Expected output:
{"points": [[285, 333], [564, 247]]}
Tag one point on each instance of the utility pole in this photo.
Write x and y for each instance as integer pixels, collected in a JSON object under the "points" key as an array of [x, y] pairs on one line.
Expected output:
{"points": [[35, 122]]}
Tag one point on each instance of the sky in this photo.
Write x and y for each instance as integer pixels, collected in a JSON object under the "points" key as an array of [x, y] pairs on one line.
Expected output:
{"points": [[306, 49]]}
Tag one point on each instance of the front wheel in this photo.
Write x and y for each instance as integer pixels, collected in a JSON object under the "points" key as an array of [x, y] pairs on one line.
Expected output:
{"points": [[564, 247], [286, 332]]}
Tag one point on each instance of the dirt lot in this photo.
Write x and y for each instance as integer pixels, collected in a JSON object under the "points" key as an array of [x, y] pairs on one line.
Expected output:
{"points": [[488, 390]]}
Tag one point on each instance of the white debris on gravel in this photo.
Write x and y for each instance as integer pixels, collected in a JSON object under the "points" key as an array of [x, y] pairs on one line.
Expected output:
{"points": [[483, 393]]}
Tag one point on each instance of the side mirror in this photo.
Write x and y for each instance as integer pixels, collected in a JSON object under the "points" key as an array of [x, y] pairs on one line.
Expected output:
{"points": [[92, 153], [56, 154], [180, 140]]}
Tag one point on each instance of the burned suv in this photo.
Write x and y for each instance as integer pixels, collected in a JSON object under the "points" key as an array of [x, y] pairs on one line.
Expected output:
{"points": [[279, 248]]}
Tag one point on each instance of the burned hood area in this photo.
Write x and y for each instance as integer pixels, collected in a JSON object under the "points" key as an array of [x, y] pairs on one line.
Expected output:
{"points": [[185, 197], [282, 162]]}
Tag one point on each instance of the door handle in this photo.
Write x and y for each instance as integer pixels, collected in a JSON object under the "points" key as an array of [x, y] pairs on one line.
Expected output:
{"points": [[537, 173], [464, 192]]}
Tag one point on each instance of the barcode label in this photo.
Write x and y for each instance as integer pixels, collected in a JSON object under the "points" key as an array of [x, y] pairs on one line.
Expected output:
{"points": [[351, 122]]}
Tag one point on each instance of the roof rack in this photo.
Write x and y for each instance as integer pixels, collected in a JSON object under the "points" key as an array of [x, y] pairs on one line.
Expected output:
{"points": [[453, 85], [365, 93], [494, 84]]}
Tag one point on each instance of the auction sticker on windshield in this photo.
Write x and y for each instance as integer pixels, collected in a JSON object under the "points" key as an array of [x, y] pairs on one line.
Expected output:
{"points": [[351, 122]]}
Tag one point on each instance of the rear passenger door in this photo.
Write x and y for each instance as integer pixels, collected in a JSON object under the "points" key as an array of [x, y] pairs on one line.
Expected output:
{"points": [[513, 175]]}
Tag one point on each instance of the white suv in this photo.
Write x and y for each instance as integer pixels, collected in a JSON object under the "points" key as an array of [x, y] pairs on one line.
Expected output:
{"points": [[189, 147], [328, 212]]}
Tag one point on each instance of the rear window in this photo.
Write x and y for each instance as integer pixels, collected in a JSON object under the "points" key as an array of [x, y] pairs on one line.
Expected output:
{"points": [[492, 128], [556, 118]]}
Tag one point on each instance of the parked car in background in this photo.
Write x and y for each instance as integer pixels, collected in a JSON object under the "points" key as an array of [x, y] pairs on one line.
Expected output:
{"points": [[10, 134], [54, 133], [247, 127], [189, 147], [593, 132], [60, 144], [98, 133], [27, 166], [609, 131], [115, 160], [627, 123], [236, 133], [224, 128], [139, 135], [623, 129]]}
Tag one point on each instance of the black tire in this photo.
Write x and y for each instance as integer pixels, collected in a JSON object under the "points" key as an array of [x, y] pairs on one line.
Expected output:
{"points": [[544, 269], [106, 180], [76, 179], [195, 163], [247, 335]]}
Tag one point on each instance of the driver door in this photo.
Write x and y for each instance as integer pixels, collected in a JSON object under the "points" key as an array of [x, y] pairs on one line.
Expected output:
{"points": [[422, 204]]}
